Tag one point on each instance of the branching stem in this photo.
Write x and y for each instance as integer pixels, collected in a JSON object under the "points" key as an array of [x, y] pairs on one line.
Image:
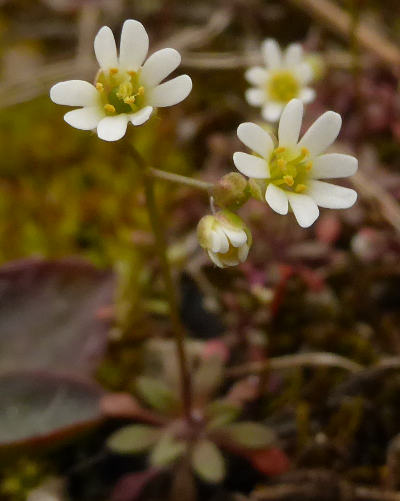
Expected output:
{"points": [[161, 244]]}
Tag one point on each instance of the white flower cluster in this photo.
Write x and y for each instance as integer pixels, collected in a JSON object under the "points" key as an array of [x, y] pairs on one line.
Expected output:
{"points": [[288, 175]]}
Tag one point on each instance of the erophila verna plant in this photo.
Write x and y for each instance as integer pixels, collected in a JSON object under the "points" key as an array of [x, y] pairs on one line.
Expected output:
{"points": [[288, 174]]}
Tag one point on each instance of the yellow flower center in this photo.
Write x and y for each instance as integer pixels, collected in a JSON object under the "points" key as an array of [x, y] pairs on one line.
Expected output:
{"points": [[290, 169], [120, 91], [283, 86]]}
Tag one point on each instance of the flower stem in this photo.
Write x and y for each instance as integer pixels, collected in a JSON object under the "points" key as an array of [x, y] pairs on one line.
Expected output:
{"points": [[161, 244], [177, 178]]}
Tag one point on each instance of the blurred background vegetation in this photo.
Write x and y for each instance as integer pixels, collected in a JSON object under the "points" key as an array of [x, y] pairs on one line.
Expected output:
{"points": [[331, 289]]}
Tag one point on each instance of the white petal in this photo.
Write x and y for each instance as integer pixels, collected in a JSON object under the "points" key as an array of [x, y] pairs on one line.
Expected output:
{"points": [[307, 95], [256, 75], [255, 138], [105, 49], [236, 237], [133, 46], [332, 196], [74, 93], [159, 66], [322, 133], [277, 199], [304, 208], [255, 97], [141, 116], [172, 92], [290, 123], [215, 259], [84, 118], [333, 165], [250, 165], [243, 252], [272, 111], [293, 55], [219, 241], [304, 72], [112, 128], [272, 53]]}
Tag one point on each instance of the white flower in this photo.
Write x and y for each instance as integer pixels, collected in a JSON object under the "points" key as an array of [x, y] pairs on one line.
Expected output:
{"points": [[127, 88], [225, 237], [290, 173], [284, 77]]}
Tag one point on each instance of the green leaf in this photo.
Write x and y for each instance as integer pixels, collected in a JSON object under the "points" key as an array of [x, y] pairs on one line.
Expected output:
{"points": [[156, 394], [133, 439], [208, 377], [250, 435], [208, 462], [167, 450], [221, 413]]}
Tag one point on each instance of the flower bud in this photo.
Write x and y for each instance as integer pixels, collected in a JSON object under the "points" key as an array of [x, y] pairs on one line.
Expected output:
{"points": [[225, 237], [231, 191]]}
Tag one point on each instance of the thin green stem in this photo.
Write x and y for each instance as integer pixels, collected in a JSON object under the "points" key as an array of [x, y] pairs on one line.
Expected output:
{"points": [[161, 244], [177, 178]]}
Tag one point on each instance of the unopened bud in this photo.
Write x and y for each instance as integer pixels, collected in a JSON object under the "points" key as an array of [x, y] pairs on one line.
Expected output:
{"points": [[231, 191], [225, 237]]}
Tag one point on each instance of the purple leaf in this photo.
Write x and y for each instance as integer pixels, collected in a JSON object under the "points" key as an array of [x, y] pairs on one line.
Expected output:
{"points": [[38, 408], [49, 315]]}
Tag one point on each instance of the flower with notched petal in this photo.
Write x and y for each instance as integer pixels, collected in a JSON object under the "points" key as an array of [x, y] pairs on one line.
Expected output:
{"points": [[127, 88], [286, 76], [291, 172]]}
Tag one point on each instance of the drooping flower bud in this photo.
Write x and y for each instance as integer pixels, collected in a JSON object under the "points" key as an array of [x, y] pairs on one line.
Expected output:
{"points": [[231, 191], [225, 237]]}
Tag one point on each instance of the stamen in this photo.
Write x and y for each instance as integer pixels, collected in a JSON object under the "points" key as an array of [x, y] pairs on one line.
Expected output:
{"points": [[99, 86], [300, 188], [140, 90], [308, 166], [305, 151], [109, 108], [281, 163], [131, 73], [129, 100], [281, 149], [288, 180], [113, 71]]}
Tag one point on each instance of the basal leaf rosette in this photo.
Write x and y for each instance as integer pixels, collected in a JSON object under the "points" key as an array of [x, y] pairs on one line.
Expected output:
{"points": [[225, 237], [291, 173], [285, 76], [127, 87]]}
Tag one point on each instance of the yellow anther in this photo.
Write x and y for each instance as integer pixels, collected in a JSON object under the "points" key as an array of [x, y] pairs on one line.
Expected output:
{"points": [[308, 166], [113, 71], [300, 188], [288, 180], [99, 86], [281, 149], [281, 163], [305, 151], [140, 91], [131, 73], [129, 100], [109, 108]]}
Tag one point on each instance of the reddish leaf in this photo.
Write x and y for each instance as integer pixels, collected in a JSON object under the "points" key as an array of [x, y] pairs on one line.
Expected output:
{"points": [[38, 409], [48, 315], [130, 487], [271, 462]]}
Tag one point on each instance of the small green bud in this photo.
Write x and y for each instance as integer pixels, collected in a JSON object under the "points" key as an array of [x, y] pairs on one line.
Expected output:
{"points": [[225, 237], [257, 189], [231, 191]]}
